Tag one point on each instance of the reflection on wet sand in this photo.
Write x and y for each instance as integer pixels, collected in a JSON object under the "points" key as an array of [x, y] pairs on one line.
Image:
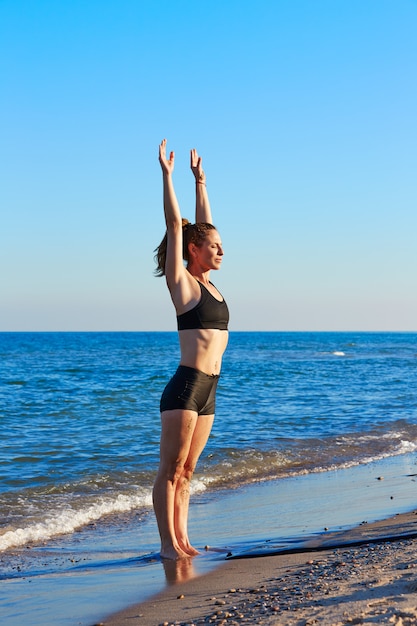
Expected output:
{"points": [[178, 571]]}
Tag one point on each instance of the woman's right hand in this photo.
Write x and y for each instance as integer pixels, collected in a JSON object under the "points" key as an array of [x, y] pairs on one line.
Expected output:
{"points": [[167, 165]]}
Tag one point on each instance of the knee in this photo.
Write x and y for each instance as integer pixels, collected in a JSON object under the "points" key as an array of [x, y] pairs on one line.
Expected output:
{"points": [[188, 471], [177, 471], [180, 472], [173, 472]]}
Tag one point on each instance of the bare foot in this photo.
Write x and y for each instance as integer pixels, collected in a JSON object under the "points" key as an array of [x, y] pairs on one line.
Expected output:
{"points": [[190, 550], [173, 554], [185, 545]]}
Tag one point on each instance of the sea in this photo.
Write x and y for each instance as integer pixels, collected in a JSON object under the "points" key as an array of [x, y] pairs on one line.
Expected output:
{"points": [[80, 425]]}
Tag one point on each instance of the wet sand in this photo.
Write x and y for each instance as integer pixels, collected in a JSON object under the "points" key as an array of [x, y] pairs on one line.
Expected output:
{"points": [[370, 578]]}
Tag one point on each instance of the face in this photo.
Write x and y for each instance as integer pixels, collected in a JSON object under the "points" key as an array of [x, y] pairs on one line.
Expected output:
{"points": [[209, 254]]}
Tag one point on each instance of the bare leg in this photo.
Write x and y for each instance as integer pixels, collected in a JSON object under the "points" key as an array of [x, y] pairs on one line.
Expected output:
{"points": [[176, 436], [182, 496]]}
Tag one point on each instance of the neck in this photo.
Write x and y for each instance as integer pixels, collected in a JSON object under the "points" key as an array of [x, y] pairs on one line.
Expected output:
{"points": [[202, 277]]}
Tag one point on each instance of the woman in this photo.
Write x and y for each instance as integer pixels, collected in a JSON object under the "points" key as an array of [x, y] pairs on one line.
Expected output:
{"points": [[188, 401]]}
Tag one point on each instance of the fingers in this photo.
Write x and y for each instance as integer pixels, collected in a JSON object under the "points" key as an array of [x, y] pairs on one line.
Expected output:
{"points": [[194, 157], [162, 148], [162, 152], [196, 161]]}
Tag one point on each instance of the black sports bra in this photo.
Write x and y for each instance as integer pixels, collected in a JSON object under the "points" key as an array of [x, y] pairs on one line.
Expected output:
{"points": [[207, 313]]}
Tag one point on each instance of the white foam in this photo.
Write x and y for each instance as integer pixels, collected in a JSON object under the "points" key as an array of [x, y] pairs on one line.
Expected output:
{"points": [[407, 446], [198, 485], [69, 519], [276, 466], [404, 447], [339, 353]]}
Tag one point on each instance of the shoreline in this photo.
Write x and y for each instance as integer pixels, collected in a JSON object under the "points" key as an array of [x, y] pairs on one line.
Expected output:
{"points": [[89, 576], [370, 581]]}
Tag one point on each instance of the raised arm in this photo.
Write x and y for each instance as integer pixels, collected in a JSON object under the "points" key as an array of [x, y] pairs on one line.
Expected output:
{"points": [[171, 207], [202, 204], [174, 267]]}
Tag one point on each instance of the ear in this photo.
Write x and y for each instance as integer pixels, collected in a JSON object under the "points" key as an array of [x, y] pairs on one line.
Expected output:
{"points": [[192, 250]]}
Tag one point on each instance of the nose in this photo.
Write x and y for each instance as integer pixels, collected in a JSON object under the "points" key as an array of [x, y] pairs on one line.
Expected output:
{"points": [[220, 251]]}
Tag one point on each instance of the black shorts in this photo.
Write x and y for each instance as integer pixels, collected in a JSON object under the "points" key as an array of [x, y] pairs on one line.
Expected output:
{"points": [[192, 390]]}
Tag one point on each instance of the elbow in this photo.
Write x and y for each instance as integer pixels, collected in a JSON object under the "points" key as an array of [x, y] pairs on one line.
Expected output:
{"points": [[173, 225]]}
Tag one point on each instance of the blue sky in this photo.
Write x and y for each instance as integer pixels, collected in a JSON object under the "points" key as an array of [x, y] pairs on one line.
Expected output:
{"points": [[304, 112]]}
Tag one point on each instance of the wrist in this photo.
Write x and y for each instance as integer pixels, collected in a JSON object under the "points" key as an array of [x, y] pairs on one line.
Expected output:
{"points": [[201, 179]]}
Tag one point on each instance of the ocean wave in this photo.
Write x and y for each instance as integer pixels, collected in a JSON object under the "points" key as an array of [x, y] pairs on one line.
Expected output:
{"points": [[47, 516], [69, 519], [307, 456]]}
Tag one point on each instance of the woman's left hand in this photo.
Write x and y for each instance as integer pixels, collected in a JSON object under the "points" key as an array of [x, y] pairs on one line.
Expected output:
{"points": [[196, 164]]}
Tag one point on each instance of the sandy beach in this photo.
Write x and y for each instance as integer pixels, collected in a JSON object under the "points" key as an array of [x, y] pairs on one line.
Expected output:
{"points": [[370, 578]]}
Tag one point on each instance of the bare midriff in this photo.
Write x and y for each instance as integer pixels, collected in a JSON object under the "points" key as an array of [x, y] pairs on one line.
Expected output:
{"points": [[203, 349]]}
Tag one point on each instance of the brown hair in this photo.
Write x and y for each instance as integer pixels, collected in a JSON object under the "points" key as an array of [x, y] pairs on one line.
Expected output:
{"points": [[191, 233]]}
